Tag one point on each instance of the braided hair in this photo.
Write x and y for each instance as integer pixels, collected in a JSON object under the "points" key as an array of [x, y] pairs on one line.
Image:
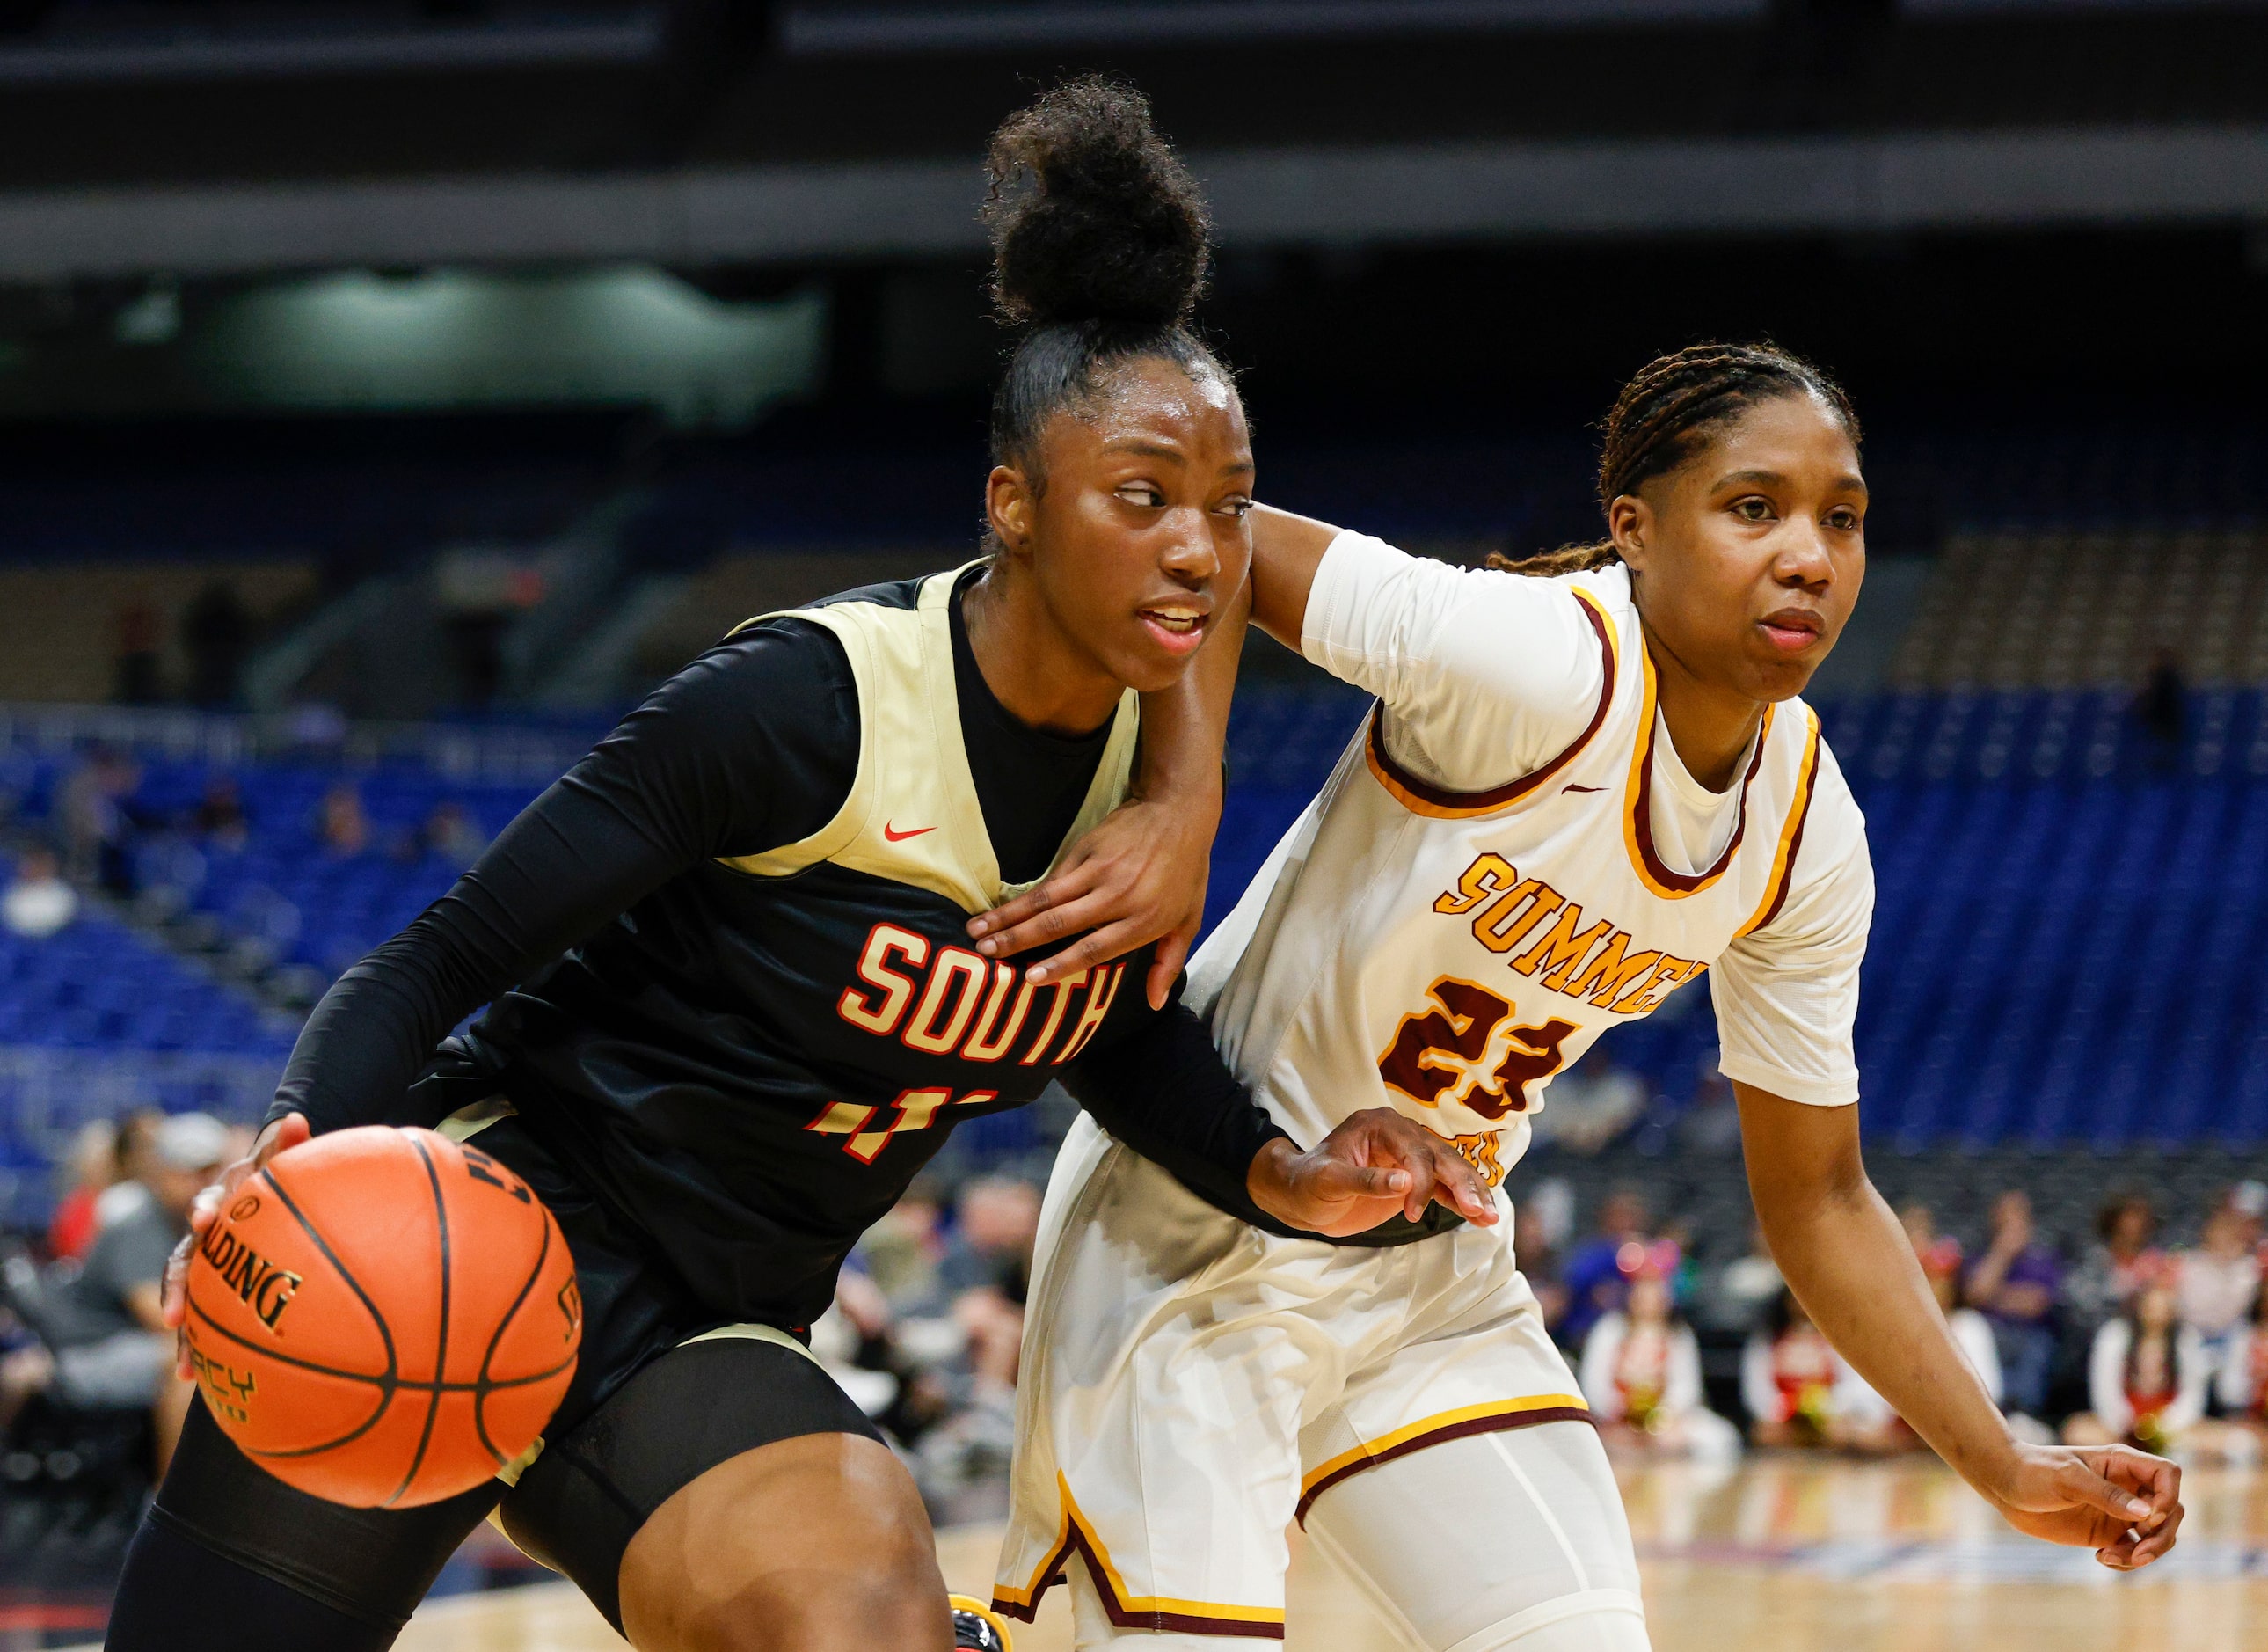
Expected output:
{"points": [[1665, 413], [1102, 246]]}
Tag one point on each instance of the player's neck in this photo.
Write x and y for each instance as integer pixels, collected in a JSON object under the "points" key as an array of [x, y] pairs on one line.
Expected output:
{"points": [[1040, 677], [1710, 725]]}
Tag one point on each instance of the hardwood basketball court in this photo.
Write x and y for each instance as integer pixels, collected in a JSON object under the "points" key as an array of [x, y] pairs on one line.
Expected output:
{"points": [[1779, 1554]]}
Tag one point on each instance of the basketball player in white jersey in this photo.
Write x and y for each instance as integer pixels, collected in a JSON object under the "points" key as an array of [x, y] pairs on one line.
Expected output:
{"points": [[1585, 784]]}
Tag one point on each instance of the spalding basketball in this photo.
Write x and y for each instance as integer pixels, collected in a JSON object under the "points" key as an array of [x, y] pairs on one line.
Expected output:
{"points": [[383, 1317]]}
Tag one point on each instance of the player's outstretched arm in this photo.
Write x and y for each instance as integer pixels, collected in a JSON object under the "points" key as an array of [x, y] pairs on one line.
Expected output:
{"points": [[1851, 1265]]}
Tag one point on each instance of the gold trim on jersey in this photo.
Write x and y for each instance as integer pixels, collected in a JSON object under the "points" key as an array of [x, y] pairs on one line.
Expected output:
{"points": [[1637, 811], [1421, 797], [1790, 837], [912, 816], [1495, 1417]]}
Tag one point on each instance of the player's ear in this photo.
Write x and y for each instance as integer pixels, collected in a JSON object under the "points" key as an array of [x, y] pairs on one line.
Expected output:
{"points": [[1629, 524], [1008, 501]]}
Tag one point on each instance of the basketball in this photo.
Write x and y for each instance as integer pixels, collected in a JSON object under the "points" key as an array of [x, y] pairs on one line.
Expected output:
{"points": [[383, 1317]]}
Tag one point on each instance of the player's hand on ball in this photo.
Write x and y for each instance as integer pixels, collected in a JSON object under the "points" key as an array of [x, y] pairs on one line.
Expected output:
{"points": [[1375, 1166], [284, 1134], [2124, 1504]]}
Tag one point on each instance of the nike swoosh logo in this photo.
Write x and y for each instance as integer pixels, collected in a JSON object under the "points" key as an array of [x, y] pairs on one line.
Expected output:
{"points": [[897, 836], [1566, 789]]}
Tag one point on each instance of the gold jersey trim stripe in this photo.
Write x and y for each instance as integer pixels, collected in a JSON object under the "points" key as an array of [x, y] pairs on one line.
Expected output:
{"points": [[1492, 1418]]}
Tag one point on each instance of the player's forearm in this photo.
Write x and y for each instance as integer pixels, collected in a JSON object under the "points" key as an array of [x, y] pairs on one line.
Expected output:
{"points": [[1852, 1266], [1163, 1090], [1185, 728], [1286, 551]]}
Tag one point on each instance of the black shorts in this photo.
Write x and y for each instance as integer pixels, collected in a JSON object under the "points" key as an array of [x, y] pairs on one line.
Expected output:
{"points": [[649, 1412]]}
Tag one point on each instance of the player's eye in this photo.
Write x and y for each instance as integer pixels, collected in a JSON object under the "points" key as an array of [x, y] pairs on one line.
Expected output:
{"points": [[1235, 509], [1147, 495], [1754, 509], [1844, 520]]}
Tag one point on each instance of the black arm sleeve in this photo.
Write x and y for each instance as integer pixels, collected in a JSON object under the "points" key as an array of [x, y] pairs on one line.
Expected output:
{"points": [[1164, 1091], [753, 745]]}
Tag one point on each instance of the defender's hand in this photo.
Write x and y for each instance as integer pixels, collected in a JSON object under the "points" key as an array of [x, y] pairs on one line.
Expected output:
{"points": [[1377, 1164], [2124, 1504], [284, 1134], [1138, 877]]}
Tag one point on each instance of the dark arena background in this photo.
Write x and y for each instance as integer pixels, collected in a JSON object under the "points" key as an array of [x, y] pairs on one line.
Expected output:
{"points": [[391, 392]]}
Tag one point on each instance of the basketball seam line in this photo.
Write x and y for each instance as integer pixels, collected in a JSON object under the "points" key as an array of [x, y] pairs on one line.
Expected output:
{"points": [[480, 1407], [441, 1339], [387, 1384]]}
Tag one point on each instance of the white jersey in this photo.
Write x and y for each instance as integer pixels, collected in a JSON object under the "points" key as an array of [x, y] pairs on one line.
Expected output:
{"points": [[1510, 859]]}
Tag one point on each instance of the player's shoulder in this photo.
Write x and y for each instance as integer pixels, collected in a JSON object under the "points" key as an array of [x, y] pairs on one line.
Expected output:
{"points": [[901, 595], [1605, 588], [780, 673], [772, 647]]}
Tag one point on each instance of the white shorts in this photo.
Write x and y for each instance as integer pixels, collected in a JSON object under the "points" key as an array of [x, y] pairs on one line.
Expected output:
{"points": [[1191, 1385]]}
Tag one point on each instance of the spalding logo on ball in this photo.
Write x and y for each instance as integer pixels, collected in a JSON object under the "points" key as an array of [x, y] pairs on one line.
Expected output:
{"points": [[383, 1317]]}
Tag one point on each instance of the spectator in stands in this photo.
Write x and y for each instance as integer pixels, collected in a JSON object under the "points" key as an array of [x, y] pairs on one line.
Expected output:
{"points": [[2016, 1284], [2162, 707], [137, 1137], [219, 819], [93, 1167], [103, 1340], [1712, 1125], [1739, 1297], [2147, 1378], [902, 1251], [1539, 1263], [2214, 1285], [140, 631], [1592, 1106], [446, 833], [1800, 1392], [1641, 1375], [98, 820], [2114, 1265], [216, 633], [1939, 1254], [997, 1221], [38, 902], [1599, 1271], [340, 823], [2242, 1384]]}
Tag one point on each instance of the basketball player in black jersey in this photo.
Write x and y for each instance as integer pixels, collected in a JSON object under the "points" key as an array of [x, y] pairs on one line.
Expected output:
{"points": [[732, 1007]]}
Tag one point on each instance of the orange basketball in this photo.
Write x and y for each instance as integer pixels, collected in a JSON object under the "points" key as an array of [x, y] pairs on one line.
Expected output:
{"points": [[383, 1317]]}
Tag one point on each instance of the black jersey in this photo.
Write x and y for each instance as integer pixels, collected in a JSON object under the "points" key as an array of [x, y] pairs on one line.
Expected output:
{"points": [[745, 1010]]}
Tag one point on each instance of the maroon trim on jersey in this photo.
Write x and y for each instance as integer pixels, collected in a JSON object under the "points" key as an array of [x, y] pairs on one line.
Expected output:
{"points": [[1810, 789], [1423, 798], [1099, 1572], [1677, 885]]}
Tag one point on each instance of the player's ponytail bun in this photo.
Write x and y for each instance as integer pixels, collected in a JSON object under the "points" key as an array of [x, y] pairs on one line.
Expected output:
{"points": [[1100, 245], [1093, 216]]}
